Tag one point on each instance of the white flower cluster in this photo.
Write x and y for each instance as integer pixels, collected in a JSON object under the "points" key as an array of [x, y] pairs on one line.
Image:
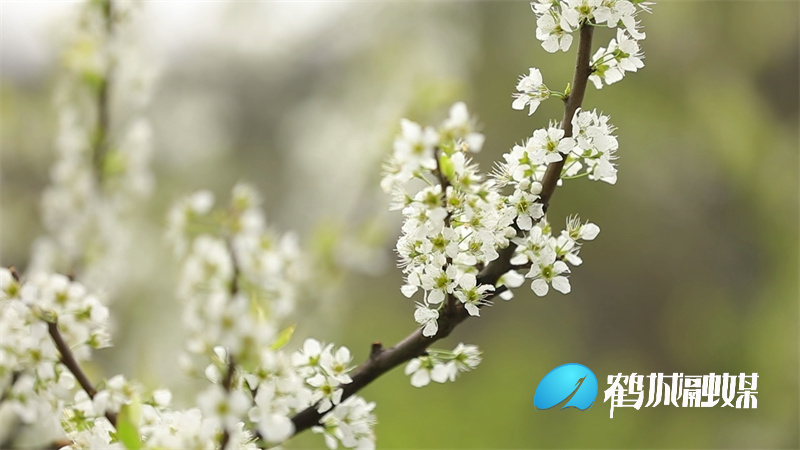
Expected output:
{"points": [[453, 223], [103, 149], [34, 382], [167, 429], [457, 220], [30, 368], [85, 421], [324, 370], [148, 425], [547, 255], [590, 152], [442, 365], [39, 388], [351, 424], [238, 278], [595, 148], [558, 19], [238, 283]]}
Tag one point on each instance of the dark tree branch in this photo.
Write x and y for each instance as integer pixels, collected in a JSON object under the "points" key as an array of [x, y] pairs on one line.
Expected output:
{"points": [[68, 359], [414, 345], [571, 104]]}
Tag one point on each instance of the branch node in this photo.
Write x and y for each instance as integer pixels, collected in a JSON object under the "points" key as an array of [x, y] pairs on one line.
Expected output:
{"points": [[375, 350]]}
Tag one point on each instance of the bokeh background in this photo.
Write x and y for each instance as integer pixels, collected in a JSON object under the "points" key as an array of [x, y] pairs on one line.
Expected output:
{"points": [[695, 270]]}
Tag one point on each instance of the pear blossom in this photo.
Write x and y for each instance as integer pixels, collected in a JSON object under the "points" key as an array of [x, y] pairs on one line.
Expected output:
{"points": [[351, 424], [576, 12], [442, 365], [554, 30], [466, 357], [550, 145], [511, 279], [531, 91], [460, 128], [527, 208], [549, 271], [428, 319], [622, 55], [228, 408], [470, 294], [420, 370], [595, 148], [274, 425]]}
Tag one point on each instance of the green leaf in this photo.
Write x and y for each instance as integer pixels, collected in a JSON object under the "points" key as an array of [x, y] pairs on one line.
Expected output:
{"points": [[283, 337], [128, 424], [447, 167]]}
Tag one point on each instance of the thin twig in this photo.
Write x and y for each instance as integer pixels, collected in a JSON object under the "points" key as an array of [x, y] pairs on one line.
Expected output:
{"points": [[68, 359], [415, 344]]}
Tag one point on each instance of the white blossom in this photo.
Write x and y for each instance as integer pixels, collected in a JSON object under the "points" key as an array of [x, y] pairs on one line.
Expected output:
{"points": [[610, 64], [428, 319], [351, 424], [548, 146], [553, 28], [549, 271], [531, 91], [460, 128]]}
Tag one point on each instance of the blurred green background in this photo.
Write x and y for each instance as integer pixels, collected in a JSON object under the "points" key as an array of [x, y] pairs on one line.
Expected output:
{"points": [[695, 269]]}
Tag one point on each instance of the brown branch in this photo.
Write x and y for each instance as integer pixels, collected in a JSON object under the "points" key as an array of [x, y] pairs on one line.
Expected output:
{"points": [[68, 359], [415, 344], [571, 104]]}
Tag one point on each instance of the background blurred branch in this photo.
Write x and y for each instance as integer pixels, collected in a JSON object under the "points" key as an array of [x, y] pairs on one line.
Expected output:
{"points": [[103, 125]]}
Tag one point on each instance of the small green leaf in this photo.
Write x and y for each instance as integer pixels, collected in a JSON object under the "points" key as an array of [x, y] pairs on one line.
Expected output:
{"points": [[128, 424], [283, 338], [447, 167]]}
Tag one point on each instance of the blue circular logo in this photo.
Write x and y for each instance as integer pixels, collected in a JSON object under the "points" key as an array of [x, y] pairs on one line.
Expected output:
{"points": [[568, 386]]}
